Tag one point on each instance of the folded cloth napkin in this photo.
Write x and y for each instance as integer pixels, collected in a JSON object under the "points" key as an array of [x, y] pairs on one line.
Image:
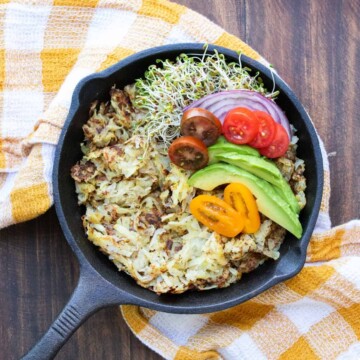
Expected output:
{"points": [[45, 49]]}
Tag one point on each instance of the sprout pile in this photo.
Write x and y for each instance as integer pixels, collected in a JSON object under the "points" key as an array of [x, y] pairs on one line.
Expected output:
{"points": [[170, 86]]}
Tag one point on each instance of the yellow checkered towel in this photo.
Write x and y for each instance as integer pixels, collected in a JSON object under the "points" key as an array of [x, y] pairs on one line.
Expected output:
{"points": [[46, 47]]}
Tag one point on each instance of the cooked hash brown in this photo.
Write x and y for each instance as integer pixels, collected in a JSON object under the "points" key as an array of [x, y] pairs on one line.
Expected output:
{"points": [[137, 209]]}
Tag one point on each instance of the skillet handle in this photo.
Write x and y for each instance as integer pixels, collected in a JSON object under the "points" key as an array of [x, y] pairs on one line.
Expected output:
{"points": [[87, 298]]}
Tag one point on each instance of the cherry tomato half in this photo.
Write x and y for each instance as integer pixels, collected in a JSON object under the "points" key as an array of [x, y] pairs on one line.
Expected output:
{"points": [[240, 126], [217, 215], [201, 124], [266, 130], [189, 153], [279, 144]]}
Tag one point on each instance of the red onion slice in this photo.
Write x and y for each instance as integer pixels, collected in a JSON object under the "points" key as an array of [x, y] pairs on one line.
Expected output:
{"points": [[222, 102]]}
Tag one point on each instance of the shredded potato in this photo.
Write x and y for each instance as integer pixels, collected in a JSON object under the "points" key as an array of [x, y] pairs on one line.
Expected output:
{"points": [[137, 208]]}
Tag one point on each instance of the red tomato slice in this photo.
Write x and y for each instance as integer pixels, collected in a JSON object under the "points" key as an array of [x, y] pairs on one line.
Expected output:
{"points": [[189, 153], [240, 126], [279, 144], [266, 130], [201, 124]]}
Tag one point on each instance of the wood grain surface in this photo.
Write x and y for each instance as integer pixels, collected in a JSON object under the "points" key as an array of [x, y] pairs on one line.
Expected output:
{"points": [[315, 47]]}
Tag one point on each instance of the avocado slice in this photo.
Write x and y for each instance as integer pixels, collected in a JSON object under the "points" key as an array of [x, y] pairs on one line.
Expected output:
{"points": [[264, 169], [269, 202], [222, 146]]}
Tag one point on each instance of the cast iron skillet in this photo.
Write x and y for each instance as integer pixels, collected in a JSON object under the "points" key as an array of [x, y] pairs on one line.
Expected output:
{"points": [[100, 283]]}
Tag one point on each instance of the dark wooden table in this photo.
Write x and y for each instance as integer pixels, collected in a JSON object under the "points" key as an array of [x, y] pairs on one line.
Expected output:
{"points": [[315, 47]]}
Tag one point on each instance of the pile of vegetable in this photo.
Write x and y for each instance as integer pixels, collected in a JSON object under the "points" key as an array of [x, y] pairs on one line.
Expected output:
{"points": [[244, 118], [188, 104]]}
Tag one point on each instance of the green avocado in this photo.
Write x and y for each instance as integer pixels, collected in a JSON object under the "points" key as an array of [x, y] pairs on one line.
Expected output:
{"points": [[222, 145], [264, 169], [269, 202]]}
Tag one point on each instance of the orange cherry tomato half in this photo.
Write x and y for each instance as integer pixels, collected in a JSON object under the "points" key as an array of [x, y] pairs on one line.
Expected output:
{"points": [[217, 215], [242, 200], [201, 124], [266, 131], [240, 126], [189, 153], [279, 143]]}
